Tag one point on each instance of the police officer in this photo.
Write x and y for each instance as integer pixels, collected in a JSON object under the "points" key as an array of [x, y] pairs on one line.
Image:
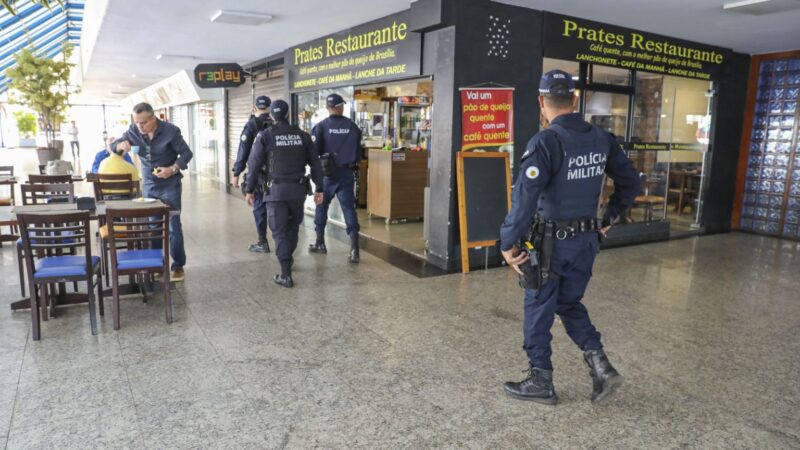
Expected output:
{"points": [[338, 142], [257, 122], [286, 150], [557, 190]]}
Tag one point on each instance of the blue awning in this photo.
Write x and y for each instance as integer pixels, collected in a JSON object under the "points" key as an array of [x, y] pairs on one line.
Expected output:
{"points": [[37, 26]]}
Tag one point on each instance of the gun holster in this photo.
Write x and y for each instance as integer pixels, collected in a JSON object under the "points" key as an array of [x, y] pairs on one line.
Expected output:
{"points": [[539, 245], [328, 164]]}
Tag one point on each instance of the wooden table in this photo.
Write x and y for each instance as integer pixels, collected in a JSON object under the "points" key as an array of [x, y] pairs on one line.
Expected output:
{"points": [[100, 211], [7, 219]]}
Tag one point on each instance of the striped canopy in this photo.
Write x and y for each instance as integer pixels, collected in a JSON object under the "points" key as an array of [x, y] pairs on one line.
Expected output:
{"points": [[45, 29]]}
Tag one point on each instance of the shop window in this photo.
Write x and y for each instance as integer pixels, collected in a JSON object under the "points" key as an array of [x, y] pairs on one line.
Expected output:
{"points": [[609, 75], [311, 107]]}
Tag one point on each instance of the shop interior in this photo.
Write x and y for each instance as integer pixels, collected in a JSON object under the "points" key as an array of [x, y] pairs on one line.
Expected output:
{"points": [[391, 192], [671, 113]]}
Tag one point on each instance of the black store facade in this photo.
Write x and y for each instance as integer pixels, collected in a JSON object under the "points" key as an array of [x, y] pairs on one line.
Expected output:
{"points": [[675, 106]]}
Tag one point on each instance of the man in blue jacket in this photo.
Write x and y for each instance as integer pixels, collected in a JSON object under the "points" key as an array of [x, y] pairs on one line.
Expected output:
{"points": [[105, 153], [164, 154], [557, 192]]}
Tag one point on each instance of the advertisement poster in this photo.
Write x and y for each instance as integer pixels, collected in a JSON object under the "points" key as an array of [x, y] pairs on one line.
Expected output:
{"points": [[487, 117]]}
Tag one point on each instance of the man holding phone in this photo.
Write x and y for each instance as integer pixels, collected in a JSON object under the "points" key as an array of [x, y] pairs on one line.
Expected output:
{"points": [[163, 154]]}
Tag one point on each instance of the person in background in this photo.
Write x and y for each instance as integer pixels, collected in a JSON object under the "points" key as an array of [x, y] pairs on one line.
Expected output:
{"points": [[163, 154], [105, 153], [116, 164], [73, 143], [258, 122]]}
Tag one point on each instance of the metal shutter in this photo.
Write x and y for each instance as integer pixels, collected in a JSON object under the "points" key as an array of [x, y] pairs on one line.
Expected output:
{"points": [[240, 106]]}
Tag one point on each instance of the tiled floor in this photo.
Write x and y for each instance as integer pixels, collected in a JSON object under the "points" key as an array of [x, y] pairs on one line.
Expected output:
{"points": [[705, 331]]}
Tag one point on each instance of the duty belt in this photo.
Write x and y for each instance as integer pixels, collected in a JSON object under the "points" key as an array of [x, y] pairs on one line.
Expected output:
{"points": [[567, 229], [286, 180]]}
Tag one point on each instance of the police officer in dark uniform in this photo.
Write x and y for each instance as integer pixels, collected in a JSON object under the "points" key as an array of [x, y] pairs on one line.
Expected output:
{"points": [[338, 141], [556, 196], [257, 122], [286, 150]]}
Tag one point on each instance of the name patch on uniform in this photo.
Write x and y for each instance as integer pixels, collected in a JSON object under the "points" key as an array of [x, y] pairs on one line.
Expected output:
{"points": [[586, 166], [288, 139], [532, 172], [339, 130]]}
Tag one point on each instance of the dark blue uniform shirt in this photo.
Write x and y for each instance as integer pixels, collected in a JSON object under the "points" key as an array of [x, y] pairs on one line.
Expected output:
{"points": [[260, 154], [246, 140], [340, 136], [166, 148], [537, 169]]}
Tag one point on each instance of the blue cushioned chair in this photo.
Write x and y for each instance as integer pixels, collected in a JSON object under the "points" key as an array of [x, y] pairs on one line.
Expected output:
{"points": [[45, 238], [130, 245], [41, 194], [112, 187]]}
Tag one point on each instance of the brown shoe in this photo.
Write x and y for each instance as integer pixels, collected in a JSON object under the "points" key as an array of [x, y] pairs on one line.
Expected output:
{"points": [[177, 274]]}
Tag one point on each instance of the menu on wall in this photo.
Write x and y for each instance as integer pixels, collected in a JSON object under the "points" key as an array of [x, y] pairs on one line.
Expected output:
{"points": [[487, 117], [384, 49], [593, 42]]}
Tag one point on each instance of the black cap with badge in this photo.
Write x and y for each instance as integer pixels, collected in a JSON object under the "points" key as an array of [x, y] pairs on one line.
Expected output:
{"points": [[556, 82], [279, 109], [334, 100], [263, 102]]}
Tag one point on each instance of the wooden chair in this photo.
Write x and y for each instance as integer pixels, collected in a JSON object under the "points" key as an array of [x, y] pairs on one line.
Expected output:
{"points": [[137, 229], [42, 169], [112, 187], [646, 200], [8, 171], [41, 194], [45, 237], [49, 179]]}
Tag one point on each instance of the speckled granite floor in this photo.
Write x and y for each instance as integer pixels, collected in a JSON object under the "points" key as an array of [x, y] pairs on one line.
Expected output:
{"points": [[705, 331]]}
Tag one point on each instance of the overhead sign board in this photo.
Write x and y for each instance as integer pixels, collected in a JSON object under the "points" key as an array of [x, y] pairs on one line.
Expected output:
{"points": [[384, 49], [222, 75], [593, 42]]}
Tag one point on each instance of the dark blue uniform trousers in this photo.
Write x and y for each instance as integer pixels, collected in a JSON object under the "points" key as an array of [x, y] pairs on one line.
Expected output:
{"points": [[285, 218], [170, 194], [342, 186], [572, 261], [260, 214]]}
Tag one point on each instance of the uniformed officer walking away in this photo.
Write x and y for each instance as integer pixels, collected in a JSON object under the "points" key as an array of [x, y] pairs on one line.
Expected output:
{"points": [[286, 150], [338, 143], [163, 154], [257, 122], [551, 235]]}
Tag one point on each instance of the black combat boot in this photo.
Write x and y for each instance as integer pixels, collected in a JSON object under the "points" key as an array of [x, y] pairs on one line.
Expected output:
{"points": [[319, 246], [355, 257], [259, 247], [285, 277], [537, 387], [605, 379]]}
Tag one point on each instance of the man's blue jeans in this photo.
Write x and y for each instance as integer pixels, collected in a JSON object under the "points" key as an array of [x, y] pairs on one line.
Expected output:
{"points": [[170, 194]]}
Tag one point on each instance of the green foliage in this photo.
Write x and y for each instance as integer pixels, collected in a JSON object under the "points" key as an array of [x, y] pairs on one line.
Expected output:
{"points": [[8, 5], [41, 84], [26, 124]]}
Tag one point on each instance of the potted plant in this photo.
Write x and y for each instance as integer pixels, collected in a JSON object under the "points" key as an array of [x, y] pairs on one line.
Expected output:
{"points": [[26, 126], [41, 84]]}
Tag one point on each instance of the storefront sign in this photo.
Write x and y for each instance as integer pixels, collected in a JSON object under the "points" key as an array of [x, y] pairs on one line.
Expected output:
{"points": [[380, 50], [586, 41], [223, 75], [664, 146], [487, 117]]}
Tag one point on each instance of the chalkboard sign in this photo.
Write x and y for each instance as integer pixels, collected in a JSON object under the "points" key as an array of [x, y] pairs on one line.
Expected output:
{"points": [[484, 199]]}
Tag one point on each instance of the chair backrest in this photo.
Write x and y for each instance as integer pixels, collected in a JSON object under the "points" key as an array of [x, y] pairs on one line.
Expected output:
{"points": [[116, 190], [91, 177], [40, 194], [49, 179], [7, 171], [50, 234], [137, 229]]}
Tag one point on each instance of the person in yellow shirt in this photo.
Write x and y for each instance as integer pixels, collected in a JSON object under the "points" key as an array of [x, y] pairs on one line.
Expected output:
{"points": [[116, 164]]}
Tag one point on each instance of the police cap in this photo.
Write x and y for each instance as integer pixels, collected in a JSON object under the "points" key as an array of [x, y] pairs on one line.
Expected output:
{"points": [[279, 109], [263, 102], [334, 100], [556, 82]]}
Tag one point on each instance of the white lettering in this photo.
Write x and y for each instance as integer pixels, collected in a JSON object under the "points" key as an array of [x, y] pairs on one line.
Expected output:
{"points": [[339, 131]]}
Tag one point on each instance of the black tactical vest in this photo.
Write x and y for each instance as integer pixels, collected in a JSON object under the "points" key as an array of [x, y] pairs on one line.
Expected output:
{"points": [[574, 191], [288, 152]]}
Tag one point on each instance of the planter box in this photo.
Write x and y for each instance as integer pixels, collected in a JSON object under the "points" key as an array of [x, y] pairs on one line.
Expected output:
{"points": [[47, 154]]}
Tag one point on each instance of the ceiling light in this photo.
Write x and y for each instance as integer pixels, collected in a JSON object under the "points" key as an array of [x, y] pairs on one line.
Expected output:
{"points": [[240, 17], [761, 7]]}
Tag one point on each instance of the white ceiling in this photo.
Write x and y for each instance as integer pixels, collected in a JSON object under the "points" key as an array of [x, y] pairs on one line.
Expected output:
{"points": [[131, 33]]}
